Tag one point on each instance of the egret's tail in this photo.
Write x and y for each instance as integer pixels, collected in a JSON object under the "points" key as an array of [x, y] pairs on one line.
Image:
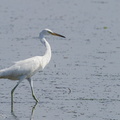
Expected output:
{"points": [[7, 73], [3, 74]]}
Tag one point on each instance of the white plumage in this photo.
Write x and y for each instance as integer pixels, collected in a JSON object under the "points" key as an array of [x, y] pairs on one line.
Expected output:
{"points": [[25, 69]]}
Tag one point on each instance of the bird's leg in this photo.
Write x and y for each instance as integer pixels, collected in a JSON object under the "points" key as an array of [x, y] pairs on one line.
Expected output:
{"points": [[31, 85], [12, 91]]}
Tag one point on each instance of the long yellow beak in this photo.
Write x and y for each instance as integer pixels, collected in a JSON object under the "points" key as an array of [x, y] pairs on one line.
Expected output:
{"points": [[58, 35]]}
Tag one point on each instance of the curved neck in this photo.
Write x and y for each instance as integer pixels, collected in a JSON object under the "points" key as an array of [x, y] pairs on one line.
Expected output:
{"points": [[47, 56]]}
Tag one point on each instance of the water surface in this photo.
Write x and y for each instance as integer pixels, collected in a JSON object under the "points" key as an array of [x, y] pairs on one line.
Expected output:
{"points": [[82, 80]]}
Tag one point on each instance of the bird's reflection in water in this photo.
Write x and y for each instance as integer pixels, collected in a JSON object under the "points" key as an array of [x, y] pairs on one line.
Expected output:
{"points": [[33, 108], [32, 112]]}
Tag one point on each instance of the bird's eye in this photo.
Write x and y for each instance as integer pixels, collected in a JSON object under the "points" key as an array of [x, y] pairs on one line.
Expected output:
{"points": [[49, 32]]}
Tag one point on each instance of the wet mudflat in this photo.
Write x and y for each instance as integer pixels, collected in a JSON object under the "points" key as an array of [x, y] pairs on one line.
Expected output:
{"points": [[82, 81]]}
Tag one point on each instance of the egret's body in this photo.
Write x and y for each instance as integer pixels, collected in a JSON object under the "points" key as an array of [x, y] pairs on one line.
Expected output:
{"points": [[25, 69]]}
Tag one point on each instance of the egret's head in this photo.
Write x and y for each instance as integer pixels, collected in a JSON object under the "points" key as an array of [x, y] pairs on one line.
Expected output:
{"points": [[49, 32]]}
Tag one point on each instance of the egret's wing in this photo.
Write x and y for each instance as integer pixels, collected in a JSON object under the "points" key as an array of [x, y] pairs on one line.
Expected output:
{"points": [[26, 68]]}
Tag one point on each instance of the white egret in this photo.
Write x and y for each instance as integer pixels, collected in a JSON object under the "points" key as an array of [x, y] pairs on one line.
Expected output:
{"points": [[25, 69]]}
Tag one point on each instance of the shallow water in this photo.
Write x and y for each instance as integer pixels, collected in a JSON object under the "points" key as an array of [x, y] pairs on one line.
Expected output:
{"points": [[82, 80]]}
